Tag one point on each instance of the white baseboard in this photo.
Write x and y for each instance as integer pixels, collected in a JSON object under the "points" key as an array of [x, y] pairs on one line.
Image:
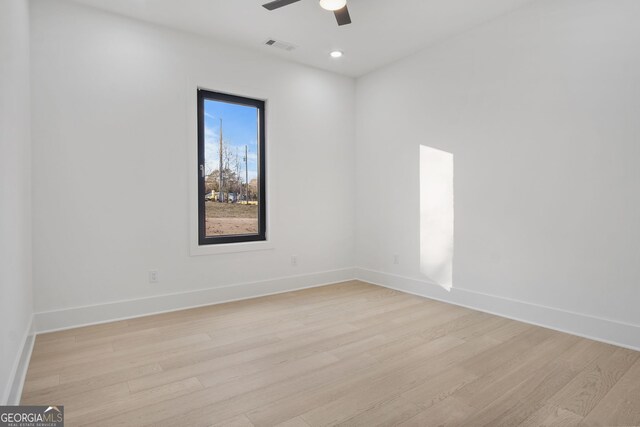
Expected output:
{"points": [[599, 329], [74, 317], [13, 391], [595, 328]]}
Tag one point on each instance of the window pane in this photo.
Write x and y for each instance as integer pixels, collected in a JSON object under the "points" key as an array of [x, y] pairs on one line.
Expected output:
{"points": [[231, 163]]}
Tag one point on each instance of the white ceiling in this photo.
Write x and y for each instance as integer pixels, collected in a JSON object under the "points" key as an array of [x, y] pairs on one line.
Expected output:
{"points": [[382, 30]]}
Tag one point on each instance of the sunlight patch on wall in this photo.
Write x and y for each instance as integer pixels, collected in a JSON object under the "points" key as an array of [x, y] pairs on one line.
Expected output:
{"points": [[436, 216]]}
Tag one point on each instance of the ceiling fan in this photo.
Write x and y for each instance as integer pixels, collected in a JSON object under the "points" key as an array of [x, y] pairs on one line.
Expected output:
{"points": [[338, 7]]}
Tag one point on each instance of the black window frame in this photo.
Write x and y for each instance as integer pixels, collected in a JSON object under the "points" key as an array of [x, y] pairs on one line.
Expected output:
{"points": [[203, 239]]}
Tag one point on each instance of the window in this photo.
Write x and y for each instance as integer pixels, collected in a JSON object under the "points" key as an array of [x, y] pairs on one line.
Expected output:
{"points": [[231, 169]]}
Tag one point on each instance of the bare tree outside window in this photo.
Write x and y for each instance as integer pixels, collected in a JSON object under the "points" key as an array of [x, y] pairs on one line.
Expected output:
{"points": [[231, 166]]}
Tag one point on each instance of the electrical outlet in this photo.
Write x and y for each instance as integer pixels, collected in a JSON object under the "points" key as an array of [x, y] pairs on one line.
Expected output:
{"points": [[294, 260], [396, 259], [153, 276]]}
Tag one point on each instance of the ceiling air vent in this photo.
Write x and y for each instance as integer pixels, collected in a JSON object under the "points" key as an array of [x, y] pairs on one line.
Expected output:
{"points": [[280, 45]]}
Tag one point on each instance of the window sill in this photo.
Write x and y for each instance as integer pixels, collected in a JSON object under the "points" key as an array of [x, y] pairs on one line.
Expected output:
{"points": [[229, 248]]}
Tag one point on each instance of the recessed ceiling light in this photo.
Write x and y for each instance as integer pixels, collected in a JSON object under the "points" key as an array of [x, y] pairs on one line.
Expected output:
{"points": [[333, 4], [336, 54]]}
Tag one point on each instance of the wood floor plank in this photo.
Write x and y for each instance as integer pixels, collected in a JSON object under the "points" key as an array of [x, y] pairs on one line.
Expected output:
{"points": [[89, 415], [439, 388], [239, 421], [351, 354], [386, 413], [585, 352], [294, 422], [33, 385], [594, 382], [440, 353], [449, 412], [202, 407], [82, 386], [169, 358], [44, 346], [142, 353], [519, 402], [490, 386], [371, 392], [230, 366], [106, 394], [242, 381], [92, 330], [621, 405], [497, 356], [552, 416]]}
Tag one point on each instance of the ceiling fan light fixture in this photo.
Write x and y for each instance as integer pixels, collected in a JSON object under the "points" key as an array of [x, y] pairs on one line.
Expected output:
{"points": [[333, 5]]}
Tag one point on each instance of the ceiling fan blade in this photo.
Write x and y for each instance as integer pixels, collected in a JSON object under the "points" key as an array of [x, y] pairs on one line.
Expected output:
{"points": [[342, 16], [277, 4]]}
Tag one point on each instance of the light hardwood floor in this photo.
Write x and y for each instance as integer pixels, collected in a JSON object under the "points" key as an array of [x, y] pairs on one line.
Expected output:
{"points": [[350, 354]]}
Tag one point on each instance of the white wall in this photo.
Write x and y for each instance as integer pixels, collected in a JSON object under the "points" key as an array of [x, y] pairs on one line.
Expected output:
{"points": [[540, 110], [112, 126], [16, 305]]}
